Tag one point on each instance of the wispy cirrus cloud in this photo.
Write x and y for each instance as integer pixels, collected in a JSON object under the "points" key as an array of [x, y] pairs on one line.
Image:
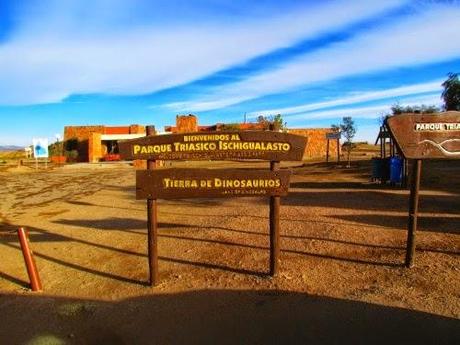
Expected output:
{"points": [[360, 97], [63, 48], [363, 111], [429, 34]]}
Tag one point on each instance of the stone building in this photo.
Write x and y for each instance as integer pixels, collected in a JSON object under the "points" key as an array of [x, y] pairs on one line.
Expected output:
{"points": [[189, 123], [95, 143], [317, 142]]}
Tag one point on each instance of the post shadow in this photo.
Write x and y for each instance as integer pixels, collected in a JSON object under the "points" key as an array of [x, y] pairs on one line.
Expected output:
{"points": [[14, 280], [437, 224]]}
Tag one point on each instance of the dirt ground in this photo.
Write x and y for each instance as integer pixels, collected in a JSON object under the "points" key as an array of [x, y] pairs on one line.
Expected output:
{"points": [[342, 278]]}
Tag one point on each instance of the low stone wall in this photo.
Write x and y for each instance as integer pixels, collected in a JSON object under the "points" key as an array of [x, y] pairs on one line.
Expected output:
{"points": [[317, 142]]}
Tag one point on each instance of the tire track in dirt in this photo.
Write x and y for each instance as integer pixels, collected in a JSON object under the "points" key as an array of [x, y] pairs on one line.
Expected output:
{"points": [[22, 193]]}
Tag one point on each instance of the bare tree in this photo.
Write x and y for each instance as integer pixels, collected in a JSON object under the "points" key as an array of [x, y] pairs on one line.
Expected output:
{"points": [[348, 130]]}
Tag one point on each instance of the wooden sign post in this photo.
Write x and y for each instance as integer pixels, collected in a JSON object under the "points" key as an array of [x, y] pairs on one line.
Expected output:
{"points": [[421, 137], [274, 216], [333, 136], [152, 224], [413, 212], [153, 184], [274, 227]]}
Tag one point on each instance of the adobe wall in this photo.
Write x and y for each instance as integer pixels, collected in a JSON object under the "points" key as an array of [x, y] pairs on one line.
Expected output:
{"points": [[136, 129], [317, 142], [116, 130], [82, 134], [88, 147], [95, 150], [186, 123]]}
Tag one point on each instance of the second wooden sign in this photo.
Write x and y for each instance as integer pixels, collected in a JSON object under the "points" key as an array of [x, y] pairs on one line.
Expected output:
{"points": [[194, 183]]}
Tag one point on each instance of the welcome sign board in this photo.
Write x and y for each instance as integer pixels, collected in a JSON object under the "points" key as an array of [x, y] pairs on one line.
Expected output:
{"points": [[265, 145]]}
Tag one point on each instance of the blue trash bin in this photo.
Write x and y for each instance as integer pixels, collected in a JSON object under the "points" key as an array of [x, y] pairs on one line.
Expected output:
{"points": [[396, 169]]}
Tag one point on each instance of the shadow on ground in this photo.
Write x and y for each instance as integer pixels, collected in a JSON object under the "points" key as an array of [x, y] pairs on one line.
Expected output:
{"points": [[425, 223], [114, 223], [218, 317], [8, 237], [368, 200]]}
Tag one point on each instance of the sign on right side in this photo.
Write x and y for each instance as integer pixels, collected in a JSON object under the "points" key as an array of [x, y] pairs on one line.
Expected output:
{"points": [[427, 136]]}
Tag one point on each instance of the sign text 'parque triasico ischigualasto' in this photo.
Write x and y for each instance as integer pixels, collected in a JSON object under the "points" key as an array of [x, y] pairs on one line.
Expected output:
{"points": [[265, 145]]}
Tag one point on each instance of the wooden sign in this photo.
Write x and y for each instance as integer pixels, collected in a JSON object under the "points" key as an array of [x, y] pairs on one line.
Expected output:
{"points": [[196, 183], [265, 145], [421, 136], [333, 136], [153, 184]]}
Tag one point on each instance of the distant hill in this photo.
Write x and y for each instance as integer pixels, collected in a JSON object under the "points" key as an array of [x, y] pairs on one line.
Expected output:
{"points": [[11, 148]]}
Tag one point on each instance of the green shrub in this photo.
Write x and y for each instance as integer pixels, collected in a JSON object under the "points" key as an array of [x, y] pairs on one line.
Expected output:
{"points": [[71, 155], [71, 144], [56, 149]]}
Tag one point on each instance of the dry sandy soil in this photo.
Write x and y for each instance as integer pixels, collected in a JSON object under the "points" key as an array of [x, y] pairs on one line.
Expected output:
{"points": [[342, 278]]}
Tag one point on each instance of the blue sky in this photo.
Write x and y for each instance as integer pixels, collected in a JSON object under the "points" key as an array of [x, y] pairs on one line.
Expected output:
{"points": [[120, 62]]}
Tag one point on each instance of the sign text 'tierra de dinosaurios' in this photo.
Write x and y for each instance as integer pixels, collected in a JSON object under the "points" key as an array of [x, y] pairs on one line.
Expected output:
{"points": [[193, 183]]}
